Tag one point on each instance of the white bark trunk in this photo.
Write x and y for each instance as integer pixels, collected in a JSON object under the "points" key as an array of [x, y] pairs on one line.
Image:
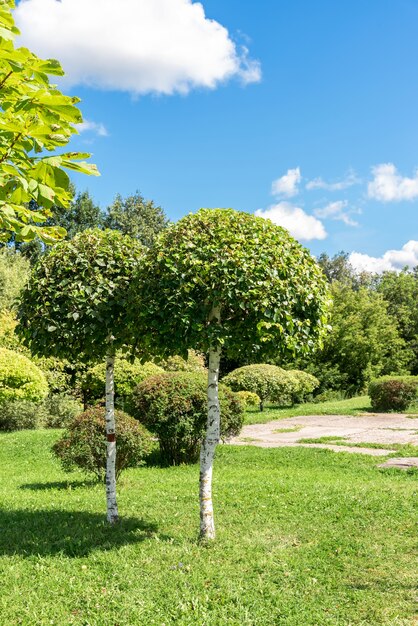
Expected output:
{"points": [[207, 450], [112, 507]]}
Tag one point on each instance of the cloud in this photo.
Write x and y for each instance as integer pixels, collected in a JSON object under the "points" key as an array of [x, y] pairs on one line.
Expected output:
{"points": [[337, 211], [392, 260], [389, 186], [97, 128], [139, 46], [350, 180], [295, 220], [287, 185]]}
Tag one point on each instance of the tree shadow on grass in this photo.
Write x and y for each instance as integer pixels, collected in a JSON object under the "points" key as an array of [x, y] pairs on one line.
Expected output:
{"points": [[60, 485], [69, 533]]}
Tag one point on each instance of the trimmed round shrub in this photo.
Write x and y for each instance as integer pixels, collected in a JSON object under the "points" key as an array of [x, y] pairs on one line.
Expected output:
{"points": [[306, 384], [248, 398], [20, 415], [20, 379], [127, 376], [173, 406], [393, 393], [83, 444], [269, 382]]}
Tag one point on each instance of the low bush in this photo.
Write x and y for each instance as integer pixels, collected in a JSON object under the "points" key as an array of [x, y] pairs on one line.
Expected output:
{"points": [[393, 393], [20, 379], [127, 377], [174, 407], [59, 410], [248, 398], [83, 444], [306, 384], [195, 362], [269, 382], [20, 415]]}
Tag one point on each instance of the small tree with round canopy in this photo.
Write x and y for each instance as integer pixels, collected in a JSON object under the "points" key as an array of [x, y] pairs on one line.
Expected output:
{"points": [[75, 307], [226, 282]]}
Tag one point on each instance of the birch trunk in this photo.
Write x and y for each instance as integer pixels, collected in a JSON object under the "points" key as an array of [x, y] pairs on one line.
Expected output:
{"points": [[207, 450], [112, 507]]}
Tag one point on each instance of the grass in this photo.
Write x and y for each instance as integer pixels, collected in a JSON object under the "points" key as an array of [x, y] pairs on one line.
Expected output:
{"points": [[291, 429], [349, 406], [402, 449], [305, 537]]}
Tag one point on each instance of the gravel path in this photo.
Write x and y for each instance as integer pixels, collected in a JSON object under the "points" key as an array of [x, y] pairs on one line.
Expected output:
{"points": [[370, 428]]}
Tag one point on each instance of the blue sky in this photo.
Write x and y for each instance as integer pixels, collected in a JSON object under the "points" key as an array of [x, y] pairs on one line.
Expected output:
{"points": [[306, 112]]}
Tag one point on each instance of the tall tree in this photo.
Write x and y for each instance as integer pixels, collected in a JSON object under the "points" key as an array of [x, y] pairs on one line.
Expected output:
{"points": [[35, 118], [75, 307], [226, 283], [136, 217]]}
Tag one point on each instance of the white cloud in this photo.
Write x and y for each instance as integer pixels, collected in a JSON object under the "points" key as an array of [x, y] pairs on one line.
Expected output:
{"points": [[392, 260], [389, 186], [350, 180], [139, 46], [287, 185], [94, 127], [295, 220], [338, 211]]}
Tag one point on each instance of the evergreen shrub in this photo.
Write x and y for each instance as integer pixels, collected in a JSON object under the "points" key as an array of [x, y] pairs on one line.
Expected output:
{"points": [[393, 393]]}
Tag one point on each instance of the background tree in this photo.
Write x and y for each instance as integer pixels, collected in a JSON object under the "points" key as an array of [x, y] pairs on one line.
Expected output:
{"points": [[136, 217], [35, 118], [75, 307], [226, 283]]}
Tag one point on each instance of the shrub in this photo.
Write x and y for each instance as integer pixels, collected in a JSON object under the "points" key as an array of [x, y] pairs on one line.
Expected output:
{"points": [[195, 362], [127, 377], [59, 410], [269, 382], [393, 393], [248, 398], [20, 415], [20, 379], [306, 383], [59, 374], [83, 444], [174, 407]]}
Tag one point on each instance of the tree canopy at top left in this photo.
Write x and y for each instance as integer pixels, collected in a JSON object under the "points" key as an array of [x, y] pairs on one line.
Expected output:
{"points": [[36, 119]]}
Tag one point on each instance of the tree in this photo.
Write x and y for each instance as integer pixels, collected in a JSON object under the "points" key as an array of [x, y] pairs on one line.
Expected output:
{"points": [[35, 118], [136, 217], [14, 272], [81, 214], [400, 291], [226, 283], [364, 342], [75, 307]]}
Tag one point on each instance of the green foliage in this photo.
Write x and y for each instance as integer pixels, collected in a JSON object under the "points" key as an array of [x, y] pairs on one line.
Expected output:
{"points": [[248, 398], [59, 410], [83, 444], [400, 291], [19, 415], [14, 273], [364, 342], [195, 362], [393, 393], [269, 382], [305, 385], [58, 372], [35, 118], [140, 219], [81, 215], [174, 407], [20, 379], [127, 376], [271, 293], [75, 303]]}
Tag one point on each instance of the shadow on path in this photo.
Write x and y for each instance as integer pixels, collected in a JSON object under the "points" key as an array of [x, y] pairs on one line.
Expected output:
{"points": [[70, 533]]}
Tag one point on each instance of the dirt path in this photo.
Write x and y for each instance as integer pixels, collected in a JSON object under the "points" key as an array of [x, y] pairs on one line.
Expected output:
{"points": [[370, 428]]}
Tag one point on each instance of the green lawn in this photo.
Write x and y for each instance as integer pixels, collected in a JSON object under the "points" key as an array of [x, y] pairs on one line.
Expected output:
{"points": [[350, 406], [306, 538]]}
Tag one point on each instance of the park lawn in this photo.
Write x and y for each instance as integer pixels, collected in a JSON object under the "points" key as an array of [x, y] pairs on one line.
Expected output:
{"points": [[348, 406], [305, 538]]}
